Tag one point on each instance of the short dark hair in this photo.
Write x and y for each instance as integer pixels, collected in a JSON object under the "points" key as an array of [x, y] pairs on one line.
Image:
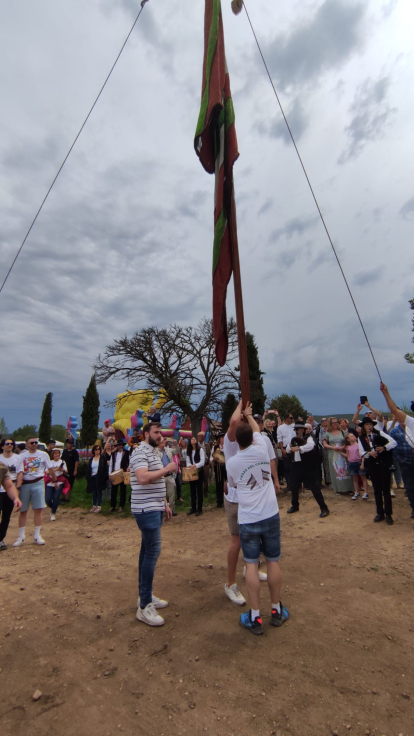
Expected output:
{"points": [[287, 416], [49, 441], [146, 428], [244, 435], [7, 439]]}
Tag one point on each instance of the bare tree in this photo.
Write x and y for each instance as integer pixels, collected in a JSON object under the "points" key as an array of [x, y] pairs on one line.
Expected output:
{"points": [[179, 360]]}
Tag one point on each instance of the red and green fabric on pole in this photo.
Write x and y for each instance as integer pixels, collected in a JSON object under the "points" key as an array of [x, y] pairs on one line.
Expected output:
{"points": [[216, 146]]}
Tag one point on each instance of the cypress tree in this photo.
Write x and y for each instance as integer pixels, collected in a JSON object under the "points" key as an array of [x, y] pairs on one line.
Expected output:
{"points": [[45, 426], [229, 406], [90, 414], [257, 394]]}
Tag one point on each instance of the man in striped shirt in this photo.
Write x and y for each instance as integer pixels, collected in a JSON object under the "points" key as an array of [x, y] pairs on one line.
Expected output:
{"points": [[148, 504]]}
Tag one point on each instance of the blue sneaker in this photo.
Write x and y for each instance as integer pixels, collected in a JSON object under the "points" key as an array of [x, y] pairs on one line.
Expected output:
{"points": [[277, 618], [254, 626]]}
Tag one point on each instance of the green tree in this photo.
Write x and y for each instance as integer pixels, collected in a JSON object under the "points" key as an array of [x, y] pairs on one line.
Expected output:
{"points": [[229, 405], [22, 433], [3, 429], [90, 414], [58, 432], [410, 356], [286, 404], [257, 394], [45, 425]]}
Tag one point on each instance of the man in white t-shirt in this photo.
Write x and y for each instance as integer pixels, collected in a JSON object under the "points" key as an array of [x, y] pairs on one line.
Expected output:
{"points": [[31, 468], [230, 448], [249, 472], [284, 434]]}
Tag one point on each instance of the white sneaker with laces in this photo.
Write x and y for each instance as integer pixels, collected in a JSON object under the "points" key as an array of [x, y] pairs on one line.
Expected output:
{"points": [[52, 517], [19, 541], [148, 615], [234, 594], [355, 497], [262, 575], [38, 540], [157, 602], [365, 497]]}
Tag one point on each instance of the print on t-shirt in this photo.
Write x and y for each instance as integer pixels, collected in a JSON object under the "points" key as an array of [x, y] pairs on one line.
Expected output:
{"points": [[31, 464]]}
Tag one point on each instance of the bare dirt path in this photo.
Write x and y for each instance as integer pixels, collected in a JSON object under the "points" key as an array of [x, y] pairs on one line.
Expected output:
{"points": [[343, 663]]}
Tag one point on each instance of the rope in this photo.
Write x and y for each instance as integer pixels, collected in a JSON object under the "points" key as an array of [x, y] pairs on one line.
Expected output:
{"points": [[143, 3], [313, 193]]}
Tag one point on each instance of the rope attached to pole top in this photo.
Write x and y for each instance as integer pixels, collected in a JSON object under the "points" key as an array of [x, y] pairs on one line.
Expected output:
{"points": [[237, 6]]}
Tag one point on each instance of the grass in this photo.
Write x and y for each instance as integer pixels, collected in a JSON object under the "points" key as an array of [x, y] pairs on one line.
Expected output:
{"points": [[81, 499]]}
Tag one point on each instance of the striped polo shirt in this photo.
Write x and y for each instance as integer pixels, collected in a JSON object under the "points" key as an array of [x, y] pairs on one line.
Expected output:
{"points": [[150, 497]]}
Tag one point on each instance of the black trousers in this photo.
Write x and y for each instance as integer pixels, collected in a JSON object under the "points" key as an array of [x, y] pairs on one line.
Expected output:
{"points": [[300, 474], [6, 509], [287, 469], [197, 492], [122, 495], [381, 480]]}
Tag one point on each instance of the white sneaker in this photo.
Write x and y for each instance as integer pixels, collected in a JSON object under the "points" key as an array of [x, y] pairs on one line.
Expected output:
{"points": [[365, 497], [148, 615], [393, 494], [355, 497], [92, 511], [262, 575], [97, 510], [19, 541], [38, 540], [52, 517], [156, 602], [234, 594]]}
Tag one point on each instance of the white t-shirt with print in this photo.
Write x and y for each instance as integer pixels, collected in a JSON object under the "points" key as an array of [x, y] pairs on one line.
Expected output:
{"points": [[11, 463], [409, 430], [33, 465], [249, 472]]}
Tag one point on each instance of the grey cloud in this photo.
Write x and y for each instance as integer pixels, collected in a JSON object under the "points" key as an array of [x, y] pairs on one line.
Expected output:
{"points": [[324, 256], [377, 213], [371, 114], [296, 226], [407, 210], [369, 276], [296, 118], [265, 207], [321, 42]]}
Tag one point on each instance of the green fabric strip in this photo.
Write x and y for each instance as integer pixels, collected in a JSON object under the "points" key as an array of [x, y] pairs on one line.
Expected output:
{"points": [[212, 46], [219, 231]]}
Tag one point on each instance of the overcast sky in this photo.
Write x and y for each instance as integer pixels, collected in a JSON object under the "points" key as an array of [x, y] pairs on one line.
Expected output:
{"points": [[125, 239]]}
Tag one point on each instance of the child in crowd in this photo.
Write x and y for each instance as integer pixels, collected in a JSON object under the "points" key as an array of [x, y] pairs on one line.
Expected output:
{"points": [[356, 465]]}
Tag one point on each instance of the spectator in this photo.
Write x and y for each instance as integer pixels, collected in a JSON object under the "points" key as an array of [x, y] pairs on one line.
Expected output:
{"points": [[70, 457], [271, 450], [153, 416], [31, 469], [305, 469], [176, 455], [356, 466], [135, 438], [344, 425], [118, 460], [219, 465], [148, 504], [108, 433], [8, 458], [196, 459], [50, 445], [375, 447], [204, 473], [284, 434], [333, 441], [54, 488], [374, 414], [97, 476], [406, 461], [21, 447], [7, 490]]}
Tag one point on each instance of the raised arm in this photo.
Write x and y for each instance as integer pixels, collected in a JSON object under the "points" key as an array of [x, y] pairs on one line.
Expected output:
{"points": [[248, 413], [398, 413], [356, 415], [234, 422], [376, 412]]}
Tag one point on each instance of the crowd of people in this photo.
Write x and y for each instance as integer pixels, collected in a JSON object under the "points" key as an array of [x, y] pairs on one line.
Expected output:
{"points": [[250, 462]]}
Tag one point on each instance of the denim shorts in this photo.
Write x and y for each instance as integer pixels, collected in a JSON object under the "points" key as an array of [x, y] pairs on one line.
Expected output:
{"points": [[33, 493], [261, 537], [355, 469]]}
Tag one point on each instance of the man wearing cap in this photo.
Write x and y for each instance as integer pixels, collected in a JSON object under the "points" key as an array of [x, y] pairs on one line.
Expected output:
{"points": [[305, 469], [118, 460]]}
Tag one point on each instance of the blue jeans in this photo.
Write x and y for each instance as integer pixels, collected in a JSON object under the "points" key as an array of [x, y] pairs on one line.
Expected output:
{"points": [[150, 525], [261, 536], [52, 497], [407, 472]]}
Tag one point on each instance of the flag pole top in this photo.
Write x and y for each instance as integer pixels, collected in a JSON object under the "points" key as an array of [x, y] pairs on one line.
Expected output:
{"points": [[236, 6]]}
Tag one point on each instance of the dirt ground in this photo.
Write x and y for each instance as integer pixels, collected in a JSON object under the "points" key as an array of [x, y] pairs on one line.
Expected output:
{"points": [[342, 664]]}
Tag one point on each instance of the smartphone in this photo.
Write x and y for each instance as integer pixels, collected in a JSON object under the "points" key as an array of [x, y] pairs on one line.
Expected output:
{"points": [[363, 399]]}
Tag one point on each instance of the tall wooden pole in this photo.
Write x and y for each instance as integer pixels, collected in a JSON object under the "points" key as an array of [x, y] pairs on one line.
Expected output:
{"points": [[238, 296]]}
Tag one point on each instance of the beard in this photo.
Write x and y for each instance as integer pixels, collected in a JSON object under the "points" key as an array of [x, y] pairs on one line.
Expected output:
{"points": [[154, 443]]}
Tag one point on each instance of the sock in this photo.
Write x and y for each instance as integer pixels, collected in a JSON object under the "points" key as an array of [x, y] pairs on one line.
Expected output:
{"points": [[254, 614], [37, 532], [277, 606], [22, 532]]}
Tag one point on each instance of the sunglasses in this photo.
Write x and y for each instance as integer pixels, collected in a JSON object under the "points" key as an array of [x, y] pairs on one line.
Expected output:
{"points": [[33, 443], [8, 444]]}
